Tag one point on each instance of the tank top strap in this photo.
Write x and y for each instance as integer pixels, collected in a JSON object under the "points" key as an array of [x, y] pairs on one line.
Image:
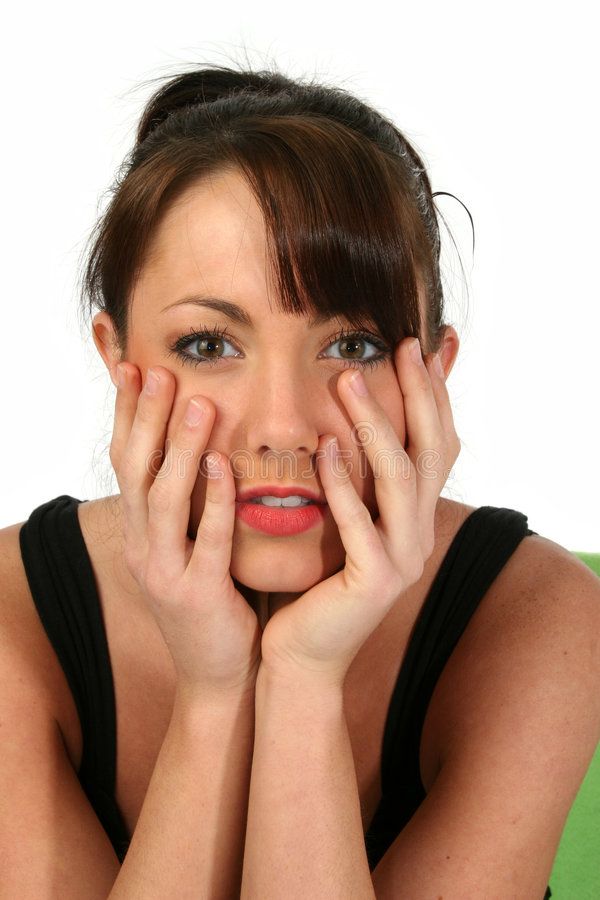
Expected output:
{"points": [[481, 547], [64, 590], [479, 551]]}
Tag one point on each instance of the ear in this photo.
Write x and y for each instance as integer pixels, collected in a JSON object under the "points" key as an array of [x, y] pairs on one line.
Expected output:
{"points": [[449, 349], [105, 339]]}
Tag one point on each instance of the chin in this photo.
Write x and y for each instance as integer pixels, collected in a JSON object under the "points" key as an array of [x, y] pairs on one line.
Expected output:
{"points": [[266, 569]]}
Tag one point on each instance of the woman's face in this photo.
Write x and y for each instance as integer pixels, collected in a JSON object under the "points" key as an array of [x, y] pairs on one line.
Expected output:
{"points": [[274, 382]]}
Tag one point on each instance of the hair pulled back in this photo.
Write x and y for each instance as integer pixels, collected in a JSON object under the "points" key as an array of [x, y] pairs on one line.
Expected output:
{"points": [[349, 212]]}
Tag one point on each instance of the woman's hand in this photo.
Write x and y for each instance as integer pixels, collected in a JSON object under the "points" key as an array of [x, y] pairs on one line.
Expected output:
{"points": [[318, 635], [211, 631]]}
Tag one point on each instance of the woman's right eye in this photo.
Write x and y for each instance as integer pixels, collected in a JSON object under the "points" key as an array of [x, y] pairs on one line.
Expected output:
{"points": [[206, 341]]}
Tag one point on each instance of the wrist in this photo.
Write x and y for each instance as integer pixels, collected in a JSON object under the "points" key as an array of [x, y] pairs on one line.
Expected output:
{"points": [[298, 680], [220, 698]]}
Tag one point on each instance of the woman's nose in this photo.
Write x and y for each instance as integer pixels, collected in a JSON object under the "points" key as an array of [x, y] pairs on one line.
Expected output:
{"points": [[284, 412]]}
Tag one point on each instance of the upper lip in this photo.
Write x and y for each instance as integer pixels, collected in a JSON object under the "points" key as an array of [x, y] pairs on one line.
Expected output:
{"points": [[272, 490]]}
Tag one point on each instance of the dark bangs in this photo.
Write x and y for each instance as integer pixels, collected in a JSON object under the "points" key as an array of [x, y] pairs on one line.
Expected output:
{"points": [[339, 237], [345, 233]]}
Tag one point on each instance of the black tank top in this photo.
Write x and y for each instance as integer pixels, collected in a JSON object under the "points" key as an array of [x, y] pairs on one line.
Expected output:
{"points": [[63, 587]]}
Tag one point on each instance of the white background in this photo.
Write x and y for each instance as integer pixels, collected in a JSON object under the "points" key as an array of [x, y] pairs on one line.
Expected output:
{"points": [[501, 102]]}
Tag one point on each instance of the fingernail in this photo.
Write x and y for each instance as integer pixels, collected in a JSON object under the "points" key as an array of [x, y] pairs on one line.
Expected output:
{"points": [[357, 383], [437, 365], [152, 380], [194, 413], [415, 352]]}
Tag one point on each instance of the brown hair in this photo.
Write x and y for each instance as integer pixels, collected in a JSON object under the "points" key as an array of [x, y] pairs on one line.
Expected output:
{"points": [[350, 218]]}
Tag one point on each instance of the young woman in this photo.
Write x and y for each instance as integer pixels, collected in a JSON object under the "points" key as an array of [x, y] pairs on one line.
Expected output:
{"points": [[270, 667]]}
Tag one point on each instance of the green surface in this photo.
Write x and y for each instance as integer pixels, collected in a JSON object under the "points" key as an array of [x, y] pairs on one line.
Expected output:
{"points": [[576, 871], [590, 559]]}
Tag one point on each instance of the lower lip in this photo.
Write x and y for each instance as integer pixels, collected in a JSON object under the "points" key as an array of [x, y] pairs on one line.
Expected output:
{"points": [[280, 520]]}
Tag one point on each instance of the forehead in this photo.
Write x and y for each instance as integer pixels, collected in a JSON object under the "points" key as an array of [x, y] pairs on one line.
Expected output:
{"points": [[214, 231], [212, 240]]}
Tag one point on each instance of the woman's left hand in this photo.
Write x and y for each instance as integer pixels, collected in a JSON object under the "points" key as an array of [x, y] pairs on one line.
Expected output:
{"points": [[318, 635]]}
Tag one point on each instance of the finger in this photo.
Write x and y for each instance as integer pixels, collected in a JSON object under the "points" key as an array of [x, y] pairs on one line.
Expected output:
{"points": [[357, 531], [442, 397], [422, 417], [128, 388], [449, 447], [169, 497], [394, 475], [426, 439], [214, 538], [144, 450]]}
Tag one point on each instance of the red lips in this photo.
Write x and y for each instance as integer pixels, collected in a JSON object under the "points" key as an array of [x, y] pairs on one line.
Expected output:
{"points": [[272, 490]]}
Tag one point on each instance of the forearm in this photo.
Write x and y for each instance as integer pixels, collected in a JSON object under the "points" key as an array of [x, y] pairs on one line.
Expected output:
{"points": [[304, 834], [189, 838]]}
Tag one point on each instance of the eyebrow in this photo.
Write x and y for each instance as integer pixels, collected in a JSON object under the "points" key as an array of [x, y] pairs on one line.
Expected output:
{"points": [[234, 312]]}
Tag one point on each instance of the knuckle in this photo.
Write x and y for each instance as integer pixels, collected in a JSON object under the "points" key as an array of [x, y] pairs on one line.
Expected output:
{"points": [[423, 380], [160, 497], [428, 545], [445, 450], [386, 431], [369, 537], [146, 414], [447, 444], [397, 583], [362, 514], [414, 569], [213, 503], [417, 571], [134, 560], [180, 459], [156, 580], [114, 454], [155, 466], [128, 474], [211, 531]]}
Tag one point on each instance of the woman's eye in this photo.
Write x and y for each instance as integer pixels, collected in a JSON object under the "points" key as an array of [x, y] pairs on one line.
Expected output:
{"points": [[354, 345], [210, 345]]}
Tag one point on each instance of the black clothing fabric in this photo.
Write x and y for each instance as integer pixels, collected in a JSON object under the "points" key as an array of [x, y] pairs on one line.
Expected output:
{"points": [[63, 587]]}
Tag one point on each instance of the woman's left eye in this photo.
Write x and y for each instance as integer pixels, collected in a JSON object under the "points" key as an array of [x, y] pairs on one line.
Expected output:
{"points": [[212, 341], [357, 339]]}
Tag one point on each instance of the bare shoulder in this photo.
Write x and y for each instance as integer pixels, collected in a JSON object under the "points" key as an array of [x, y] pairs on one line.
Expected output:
{"points": [[533, 645], [543, 587], [18, 625], [10, 556], [538, 557], [26, 651], [518, 725]]}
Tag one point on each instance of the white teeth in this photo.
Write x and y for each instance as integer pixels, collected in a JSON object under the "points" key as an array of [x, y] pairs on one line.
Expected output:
{"points": [[292, 500]]}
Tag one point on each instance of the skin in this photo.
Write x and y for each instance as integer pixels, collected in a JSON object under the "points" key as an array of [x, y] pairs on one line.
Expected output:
{"points": [[274, 387]]}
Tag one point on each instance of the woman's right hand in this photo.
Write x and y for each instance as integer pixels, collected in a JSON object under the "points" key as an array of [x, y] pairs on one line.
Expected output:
{"points": [[212, 633]]}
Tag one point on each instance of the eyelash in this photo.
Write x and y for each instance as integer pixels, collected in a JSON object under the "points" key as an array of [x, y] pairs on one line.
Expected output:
{"points": [[178, 348]]}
